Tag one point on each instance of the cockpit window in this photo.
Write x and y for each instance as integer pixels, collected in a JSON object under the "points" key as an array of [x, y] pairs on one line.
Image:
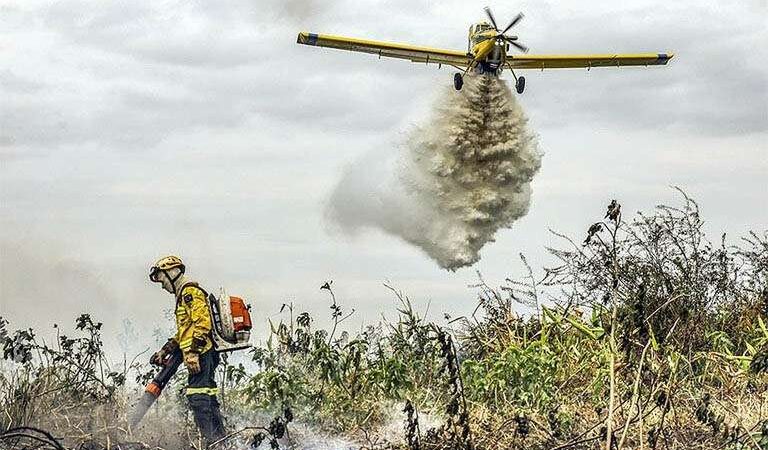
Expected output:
{"points": [[480, 27]]}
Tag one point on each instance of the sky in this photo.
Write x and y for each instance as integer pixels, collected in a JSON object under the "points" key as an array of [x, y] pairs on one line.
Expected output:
{"points": [[130, 130]]}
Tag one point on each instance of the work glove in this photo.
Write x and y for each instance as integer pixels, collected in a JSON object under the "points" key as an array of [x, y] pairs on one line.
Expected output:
{"points": [[192, 361], [158, 358], [198, 343]]}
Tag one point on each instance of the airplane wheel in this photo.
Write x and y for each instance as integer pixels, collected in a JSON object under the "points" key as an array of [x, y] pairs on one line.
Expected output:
{"points": [[458, 81], [520, 85]]}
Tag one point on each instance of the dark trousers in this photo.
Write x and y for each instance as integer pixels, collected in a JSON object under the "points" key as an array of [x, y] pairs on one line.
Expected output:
{"points": [[201, 394]]}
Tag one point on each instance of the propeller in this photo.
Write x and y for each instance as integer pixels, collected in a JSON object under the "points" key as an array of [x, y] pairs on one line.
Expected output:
{"points": [[490, 16], [519, 46], [514, 22], [502, 34]]}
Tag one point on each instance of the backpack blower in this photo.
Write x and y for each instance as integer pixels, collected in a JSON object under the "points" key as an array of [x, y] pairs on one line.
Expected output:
{"points": [[231, 330]]}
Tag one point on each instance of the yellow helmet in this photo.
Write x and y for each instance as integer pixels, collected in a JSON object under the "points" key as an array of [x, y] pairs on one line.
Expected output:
{"points": [[165, 263]]}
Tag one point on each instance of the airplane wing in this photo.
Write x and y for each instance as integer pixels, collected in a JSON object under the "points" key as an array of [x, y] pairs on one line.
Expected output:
{"points": [[586, 61], [416, 54]]}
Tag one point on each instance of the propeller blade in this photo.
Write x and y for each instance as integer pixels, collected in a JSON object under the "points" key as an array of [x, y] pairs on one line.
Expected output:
{"points": [[519, 46], [490, 16], [514, 22]]}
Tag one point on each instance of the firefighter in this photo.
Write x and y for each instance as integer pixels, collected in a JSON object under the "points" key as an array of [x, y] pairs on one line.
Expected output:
{"points": [[193, 337]]}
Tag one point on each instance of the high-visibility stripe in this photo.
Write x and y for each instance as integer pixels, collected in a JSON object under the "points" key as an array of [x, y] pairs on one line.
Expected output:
{"points": [[202, 390]]}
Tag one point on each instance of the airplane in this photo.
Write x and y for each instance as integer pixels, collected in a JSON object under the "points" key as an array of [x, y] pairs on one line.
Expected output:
{"points": [[488, 52]]}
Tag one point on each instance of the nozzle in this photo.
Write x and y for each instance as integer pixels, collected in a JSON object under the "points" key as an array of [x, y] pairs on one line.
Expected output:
{"points": [[145, 402]]}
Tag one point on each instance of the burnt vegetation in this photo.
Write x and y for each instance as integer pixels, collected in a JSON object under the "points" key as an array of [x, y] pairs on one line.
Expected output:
{"points": [[644, 335]]}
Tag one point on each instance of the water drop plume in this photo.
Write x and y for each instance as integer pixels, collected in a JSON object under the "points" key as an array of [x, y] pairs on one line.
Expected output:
{"points": [[454, 182]]}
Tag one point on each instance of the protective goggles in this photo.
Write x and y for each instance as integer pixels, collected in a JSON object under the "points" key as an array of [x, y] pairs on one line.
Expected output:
{"points": [[154, 271]]}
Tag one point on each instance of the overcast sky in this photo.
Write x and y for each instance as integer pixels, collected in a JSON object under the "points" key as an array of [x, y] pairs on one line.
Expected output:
{"points": [[129, 130]]}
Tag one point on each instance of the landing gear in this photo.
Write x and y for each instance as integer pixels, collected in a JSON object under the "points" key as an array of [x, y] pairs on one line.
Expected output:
{"points": [[520, 85], [458, 81]]}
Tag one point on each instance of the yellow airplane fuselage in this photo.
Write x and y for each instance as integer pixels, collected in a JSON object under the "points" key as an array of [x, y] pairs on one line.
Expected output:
{"points": [[486, 50], [483, 49]]}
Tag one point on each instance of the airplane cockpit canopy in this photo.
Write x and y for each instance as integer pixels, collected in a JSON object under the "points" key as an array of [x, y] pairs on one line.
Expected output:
{"points": [[477, 28], [480, 27]]}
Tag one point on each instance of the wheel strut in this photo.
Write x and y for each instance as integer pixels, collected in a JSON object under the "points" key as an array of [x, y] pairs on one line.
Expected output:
{"points": [[519, 81]]}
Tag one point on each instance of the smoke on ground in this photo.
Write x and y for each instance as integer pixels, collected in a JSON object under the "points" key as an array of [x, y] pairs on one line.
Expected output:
{"points": [[455, 181]]}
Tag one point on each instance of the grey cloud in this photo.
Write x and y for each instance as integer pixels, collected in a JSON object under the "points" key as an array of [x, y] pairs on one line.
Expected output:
{"points": [[234, 68], [132, 75], [12, 83], [195, 34], [713, 85], [302, 9]]}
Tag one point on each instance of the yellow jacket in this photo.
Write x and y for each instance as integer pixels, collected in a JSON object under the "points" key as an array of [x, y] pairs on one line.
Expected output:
{"points": [[193, 320]]}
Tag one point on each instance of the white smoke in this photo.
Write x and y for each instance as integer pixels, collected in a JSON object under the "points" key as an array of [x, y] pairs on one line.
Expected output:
{"points": [[455, 182]]}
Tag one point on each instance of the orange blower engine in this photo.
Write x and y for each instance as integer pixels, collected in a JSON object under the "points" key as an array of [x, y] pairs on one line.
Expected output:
{"points": [[231, 322]]}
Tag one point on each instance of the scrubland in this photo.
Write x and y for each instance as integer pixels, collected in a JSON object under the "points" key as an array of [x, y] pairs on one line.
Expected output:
{"points": [[645, 334]]}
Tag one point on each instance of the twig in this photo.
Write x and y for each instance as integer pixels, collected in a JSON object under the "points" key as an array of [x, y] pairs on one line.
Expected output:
{"points": [[635, 391], [19, 432], [612, 380], [233, 434]]}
